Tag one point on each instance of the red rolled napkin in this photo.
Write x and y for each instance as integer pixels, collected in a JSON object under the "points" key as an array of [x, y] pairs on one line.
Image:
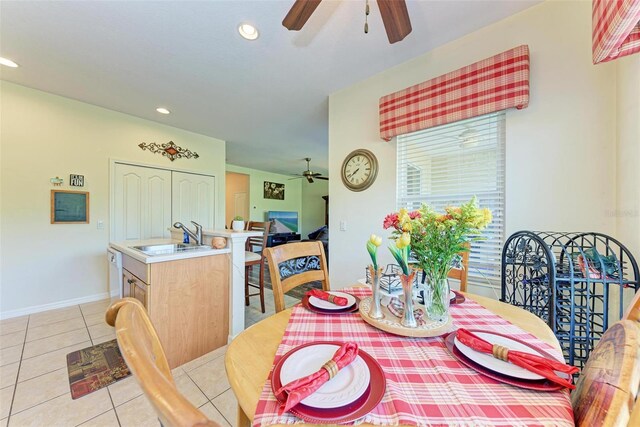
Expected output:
{"points": [[301, 388], [327, 297], [537, 364]]}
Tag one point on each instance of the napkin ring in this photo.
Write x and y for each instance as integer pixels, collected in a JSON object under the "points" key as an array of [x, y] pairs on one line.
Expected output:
{"points": [[330, 298], [331, 367], [500, 352]]}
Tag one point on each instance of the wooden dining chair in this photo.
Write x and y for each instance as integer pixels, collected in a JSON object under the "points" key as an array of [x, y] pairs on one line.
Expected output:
{"points": [[608, 384], [461, 273], [143, 353], [295, 264], [254, 256], [633, 310]]}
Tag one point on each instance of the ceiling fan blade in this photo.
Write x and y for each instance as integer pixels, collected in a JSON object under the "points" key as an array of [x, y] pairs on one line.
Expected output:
{"points": [[297, 177], [395, 18], [299, 14], [310, 179], [322, 177]]}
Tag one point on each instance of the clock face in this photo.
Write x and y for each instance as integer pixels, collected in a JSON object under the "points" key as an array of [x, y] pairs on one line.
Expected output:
{"points": [[359, 170]]}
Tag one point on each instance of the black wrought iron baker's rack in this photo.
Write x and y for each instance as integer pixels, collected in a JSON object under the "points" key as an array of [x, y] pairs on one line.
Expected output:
{"points": [[579, 283]]}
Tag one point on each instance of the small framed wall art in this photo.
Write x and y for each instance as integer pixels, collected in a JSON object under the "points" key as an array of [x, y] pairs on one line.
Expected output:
{"points": [[273, 190], [69, 207]]}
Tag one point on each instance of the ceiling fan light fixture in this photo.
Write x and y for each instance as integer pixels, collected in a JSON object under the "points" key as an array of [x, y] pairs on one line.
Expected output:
{"points": [[248, 31]]}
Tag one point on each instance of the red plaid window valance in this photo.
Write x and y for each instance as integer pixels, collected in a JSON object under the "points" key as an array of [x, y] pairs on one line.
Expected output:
{"points": [[490, 85], [616, 29]]}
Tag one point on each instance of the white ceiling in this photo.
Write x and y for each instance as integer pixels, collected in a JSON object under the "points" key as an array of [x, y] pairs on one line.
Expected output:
{"points": [[266, 98]]}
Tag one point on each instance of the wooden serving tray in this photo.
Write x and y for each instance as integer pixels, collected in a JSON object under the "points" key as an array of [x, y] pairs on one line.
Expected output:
{"points": [[390, 323]]}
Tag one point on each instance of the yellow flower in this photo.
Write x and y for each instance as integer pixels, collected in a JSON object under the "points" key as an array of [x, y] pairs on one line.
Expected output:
{"points": [[375, 240], [406, 226], [487, 216], [403, 241]]}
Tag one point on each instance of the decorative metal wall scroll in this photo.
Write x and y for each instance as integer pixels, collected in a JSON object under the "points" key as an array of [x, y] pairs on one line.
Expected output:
{"points": [[169, 150]]}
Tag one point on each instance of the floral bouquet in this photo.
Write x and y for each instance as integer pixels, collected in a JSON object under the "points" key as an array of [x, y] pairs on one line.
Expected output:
{"points": [[436, 239]]}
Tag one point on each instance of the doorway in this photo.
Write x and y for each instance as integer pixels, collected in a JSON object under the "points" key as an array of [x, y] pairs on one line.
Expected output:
{"points": [[236, 197]]}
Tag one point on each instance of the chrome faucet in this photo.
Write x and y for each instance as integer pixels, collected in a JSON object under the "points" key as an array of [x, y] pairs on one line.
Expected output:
{"points": [[197, 236]]}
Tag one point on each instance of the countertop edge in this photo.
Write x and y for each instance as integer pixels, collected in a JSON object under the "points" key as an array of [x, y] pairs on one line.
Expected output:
{"points": [[126, 248]]}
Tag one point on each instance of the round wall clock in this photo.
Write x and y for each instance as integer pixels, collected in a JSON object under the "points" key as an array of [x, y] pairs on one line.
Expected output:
{"points": [[359, 170]]}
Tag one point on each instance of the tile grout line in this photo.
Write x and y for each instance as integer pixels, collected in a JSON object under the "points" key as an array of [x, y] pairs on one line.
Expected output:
{"points": [[218, 411], [89, 333], [113, 405], [93, 418], [15, 383], [55, 335], [196, 384], [41, 403], [33, 357]]}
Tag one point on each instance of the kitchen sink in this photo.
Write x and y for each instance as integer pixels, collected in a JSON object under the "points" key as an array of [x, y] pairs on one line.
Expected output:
{"points": [[169, 248]]}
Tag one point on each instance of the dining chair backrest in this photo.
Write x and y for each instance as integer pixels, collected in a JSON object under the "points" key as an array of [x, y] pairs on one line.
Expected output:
{"points": [[301, 263], [608, 384], [633, 310], [461, 274], [143, 353]]}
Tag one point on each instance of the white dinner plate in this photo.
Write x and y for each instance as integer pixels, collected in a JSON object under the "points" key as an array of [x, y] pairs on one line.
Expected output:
{"points": [[326, 305], [346, 387], [452, 295], [497, 365]]}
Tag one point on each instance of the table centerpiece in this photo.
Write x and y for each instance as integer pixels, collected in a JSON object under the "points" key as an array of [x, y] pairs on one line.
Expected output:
{"points": [[435, 239]]}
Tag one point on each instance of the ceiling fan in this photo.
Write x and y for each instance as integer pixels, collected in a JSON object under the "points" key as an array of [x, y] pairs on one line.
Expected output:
{"points": [[309, 174], [393, 12]]}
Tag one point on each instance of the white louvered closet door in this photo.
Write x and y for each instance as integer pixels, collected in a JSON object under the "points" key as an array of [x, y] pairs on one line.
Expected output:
{"points": [[449, 164]]}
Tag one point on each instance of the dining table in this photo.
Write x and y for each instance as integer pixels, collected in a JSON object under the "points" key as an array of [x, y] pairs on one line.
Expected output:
{"points": [[250, 356]]}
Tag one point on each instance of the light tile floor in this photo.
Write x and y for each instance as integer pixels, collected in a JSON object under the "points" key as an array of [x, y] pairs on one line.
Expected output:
{"points": [[34, 385]]}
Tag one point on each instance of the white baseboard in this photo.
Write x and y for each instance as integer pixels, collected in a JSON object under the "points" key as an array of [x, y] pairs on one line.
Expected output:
{"points": [[52, 306]]}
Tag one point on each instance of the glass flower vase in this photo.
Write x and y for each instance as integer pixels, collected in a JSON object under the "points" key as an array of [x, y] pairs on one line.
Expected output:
{"points": [[375, 312], [437, 306], [408, 318]]}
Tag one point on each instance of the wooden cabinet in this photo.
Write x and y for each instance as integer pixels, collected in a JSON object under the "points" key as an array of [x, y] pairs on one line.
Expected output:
{"points": [[187, 301]]}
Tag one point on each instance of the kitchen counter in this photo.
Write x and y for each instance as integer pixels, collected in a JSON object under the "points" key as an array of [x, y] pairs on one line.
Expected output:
{"points": [[236, 255], [126, 248]]}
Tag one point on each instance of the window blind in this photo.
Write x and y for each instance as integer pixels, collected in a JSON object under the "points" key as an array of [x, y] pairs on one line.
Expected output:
{"points": [[446, 166]]}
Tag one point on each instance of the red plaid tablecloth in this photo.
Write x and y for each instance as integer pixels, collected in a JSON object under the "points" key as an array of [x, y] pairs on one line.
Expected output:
{"points": [[425, 384]]}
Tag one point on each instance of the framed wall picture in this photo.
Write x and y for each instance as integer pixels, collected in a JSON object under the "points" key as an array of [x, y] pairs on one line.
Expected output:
{"points": [[69, 207], [273, 190]]}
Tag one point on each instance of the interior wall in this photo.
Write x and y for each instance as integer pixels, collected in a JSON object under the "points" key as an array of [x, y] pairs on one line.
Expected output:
{"points": [[258, 205], [313, 205], [44, 136], [236, 183], [560, 151], [627, 211]]}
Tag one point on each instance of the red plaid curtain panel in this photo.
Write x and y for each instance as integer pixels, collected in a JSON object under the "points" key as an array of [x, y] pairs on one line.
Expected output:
{"points": [[490, 85], [616, 29]]}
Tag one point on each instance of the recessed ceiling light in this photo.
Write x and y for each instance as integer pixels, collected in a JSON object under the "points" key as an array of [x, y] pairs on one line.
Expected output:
{"points": [[163, 110], [8, 62], [248, 31]]}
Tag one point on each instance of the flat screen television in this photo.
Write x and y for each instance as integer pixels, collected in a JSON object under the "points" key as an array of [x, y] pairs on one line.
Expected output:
{"points": [[283, 222]]}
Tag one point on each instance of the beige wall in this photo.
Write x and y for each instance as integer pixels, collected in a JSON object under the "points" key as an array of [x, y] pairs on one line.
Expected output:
{"points": [[627, 212], [560, 155], [236, 183], [258, 205], [44, 136], [313, 205]]}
